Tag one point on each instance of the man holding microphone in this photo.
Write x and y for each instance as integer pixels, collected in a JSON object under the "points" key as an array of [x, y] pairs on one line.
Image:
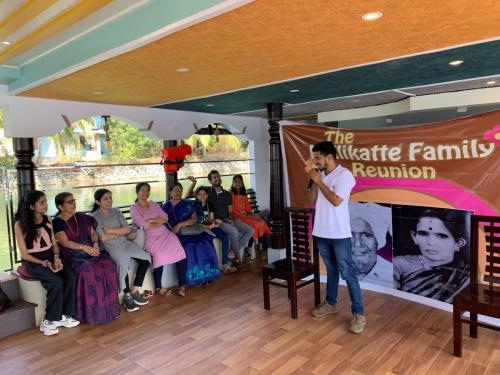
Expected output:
{"points": [[330, 189]]}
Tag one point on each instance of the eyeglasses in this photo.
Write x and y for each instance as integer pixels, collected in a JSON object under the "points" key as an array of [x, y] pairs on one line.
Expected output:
{"points": [[71, 201]]}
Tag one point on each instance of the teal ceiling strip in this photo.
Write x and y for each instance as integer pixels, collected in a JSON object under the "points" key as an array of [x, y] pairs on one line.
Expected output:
{"points": [[480, 60], [138, 23]]}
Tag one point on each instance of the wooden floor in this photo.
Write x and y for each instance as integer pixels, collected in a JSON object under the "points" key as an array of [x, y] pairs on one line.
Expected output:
{"points": [[223, 329]]}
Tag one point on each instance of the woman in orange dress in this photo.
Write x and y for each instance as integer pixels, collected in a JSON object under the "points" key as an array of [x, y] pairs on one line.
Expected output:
{"points": [[243, 211]]}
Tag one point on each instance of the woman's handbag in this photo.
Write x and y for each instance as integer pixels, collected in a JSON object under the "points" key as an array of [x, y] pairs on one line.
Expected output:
{"points": [[195, 229]]}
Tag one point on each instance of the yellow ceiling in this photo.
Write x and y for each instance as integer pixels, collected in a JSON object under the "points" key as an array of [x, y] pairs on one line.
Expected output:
{"points": [[272, 40], [58, 20]]}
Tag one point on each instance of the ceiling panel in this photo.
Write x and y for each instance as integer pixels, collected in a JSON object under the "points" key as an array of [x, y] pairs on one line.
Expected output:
{"points": [[271, 41]]}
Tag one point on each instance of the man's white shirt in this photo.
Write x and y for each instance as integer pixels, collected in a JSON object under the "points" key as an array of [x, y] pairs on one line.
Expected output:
{"points": [[333, 221]]}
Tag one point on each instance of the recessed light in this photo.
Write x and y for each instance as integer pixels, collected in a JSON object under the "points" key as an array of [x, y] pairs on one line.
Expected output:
{"points": [[210, 105], [97, 92], [294, 90], [456, 62], [372, 16], [182, 70], [491, 82]]}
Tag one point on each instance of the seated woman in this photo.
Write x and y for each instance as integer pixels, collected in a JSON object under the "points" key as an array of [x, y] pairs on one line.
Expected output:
{"points": [[202, 263], [441, 270], [206, 217], [243, 211], [41, 259], [113, 229], [162, 244], [96, 283]]}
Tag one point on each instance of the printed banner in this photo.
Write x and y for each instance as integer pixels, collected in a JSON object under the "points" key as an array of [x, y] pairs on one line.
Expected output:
{"points": [[452, 164], [416, 188]]}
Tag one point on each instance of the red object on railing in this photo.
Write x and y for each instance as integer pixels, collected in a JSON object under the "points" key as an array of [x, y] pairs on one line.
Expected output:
{"points": [[173, 157]]}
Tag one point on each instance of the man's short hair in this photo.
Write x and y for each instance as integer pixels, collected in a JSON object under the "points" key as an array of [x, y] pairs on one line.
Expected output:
{"points": [[213, 171], [325, 148]]}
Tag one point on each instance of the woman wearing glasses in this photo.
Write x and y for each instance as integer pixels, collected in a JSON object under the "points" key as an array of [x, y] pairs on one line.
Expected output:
{"points": [[97, 282]]}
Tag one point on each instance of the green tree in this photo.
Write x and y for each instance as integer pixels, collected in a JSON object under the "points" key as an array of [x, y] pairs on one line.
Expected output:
{"points": [[67, 141], [129, 144], [212, 144]]}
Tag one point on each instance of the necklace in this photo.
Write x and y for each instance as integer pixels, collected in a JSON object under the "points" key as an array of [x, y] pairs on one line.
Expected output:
{"points": [[70, 229]]}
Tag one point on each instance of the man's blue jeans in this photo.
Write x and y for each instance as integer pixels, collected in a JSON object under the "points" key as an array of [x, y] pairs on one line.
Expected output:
{"points": [[225, 241], [337, 255]]}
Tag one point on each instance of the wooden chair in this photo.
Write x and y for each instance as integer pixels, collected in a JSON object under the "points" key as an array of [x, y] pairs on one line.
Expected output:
{"points": [[298, 263], [479, 298]]}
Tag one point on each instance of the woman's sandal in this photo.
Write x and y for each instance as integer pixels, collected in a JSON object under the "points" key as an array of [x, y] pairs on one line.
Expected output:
{"points": [[161, 291], [181, 291], [247, 253], [261, 252], [147, 294]]}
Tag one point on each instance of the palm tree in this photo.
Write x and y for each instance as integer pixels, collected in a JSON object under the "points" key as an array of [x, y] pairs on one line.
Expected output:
{"points": [[67, 141]]}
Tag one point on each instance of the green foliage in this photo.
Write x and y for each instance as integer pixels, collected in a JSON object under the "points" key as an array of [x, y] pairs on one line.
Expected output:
{"points": [[67, 144], [7, 161], [211, 144], [129, 144]]}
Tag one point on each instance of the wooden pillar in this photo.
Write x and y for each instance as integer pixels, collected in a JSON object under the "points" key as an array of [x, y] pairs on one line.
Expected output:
{"points": [[277, 201], [24, 151], [170, 177]]}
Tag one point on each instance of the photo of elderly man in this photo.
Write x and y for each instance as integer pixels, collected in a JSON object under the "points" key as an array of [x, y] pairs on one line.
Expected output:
{"points": [[371, 228]]}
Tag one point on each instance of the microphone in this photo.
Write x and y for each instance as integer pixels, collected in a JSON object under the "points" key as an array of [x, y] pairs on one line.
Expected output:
{"points": [[311, 182], [310, 185]]}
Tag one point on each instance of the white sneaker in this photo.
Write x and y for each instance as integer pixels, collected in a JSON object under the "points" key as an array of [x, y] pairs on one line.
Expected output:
{"points": [[67, 321], [49, 328]]}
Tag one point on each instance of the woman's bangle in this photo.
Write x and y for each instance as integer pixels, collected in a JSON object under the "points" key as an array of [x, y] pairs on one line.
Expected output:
{"points": [[56, 255], [81, 247]]}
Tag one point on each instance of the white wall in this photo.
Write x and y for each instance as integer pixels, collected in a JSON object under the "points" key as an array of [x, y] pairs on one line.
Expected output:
{"points": [[34, 117], [262, 174]]}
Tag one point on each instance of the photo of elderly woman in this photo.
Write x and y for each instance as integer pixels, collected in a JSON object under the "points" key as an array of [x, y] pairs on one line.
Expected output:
{"points": [[431, 251]]}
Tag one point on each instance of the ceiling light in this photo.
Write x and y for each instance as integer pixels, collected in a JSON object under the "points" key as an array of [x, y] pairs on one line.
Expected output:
{"points": [[6, 43], [372, 16], [210, 105], [97, 92], [294, 90], [491, 82], [182, 70], [456, 62]]}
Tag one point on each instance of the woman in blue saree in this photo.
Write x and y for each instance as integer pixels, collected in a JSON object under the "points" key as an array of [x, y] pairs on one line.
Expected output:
{"points": [[202, 262]]}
